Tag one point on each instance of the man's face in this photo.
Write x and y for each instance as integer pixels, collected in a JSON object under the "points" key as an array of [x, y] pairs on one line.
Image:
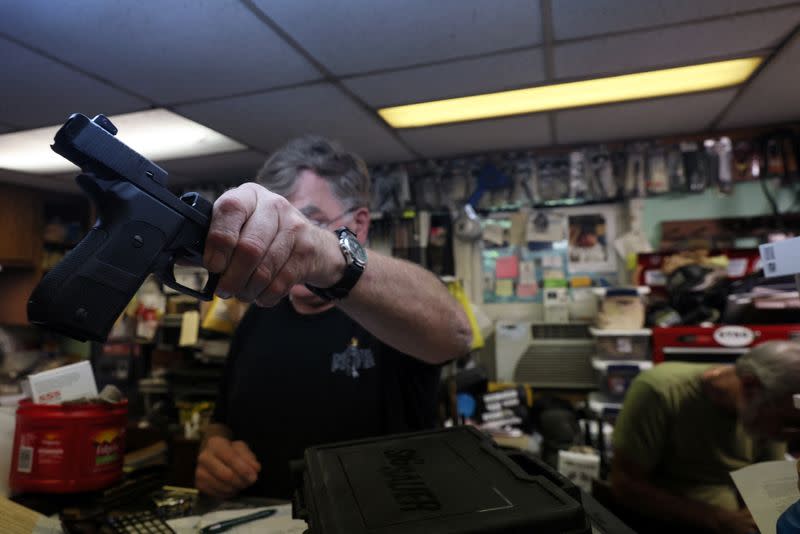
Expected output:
{"points": [[778, 420], [314, 198]]}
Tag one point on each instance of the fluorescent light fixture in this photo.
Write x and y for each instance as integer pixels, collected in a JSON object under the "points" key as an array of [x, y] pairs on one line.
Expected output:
{"points": [[157, 134], [650, 84]]}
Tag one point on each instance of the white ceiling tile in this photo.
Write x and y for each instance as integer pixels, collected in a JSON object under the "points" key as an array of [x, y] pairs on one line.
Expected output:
{"points": [[579, 18], [356, 36], [39, 92], [447, 80], [167, 51], [691, 43], [222, 168], [268, 120], [664, 116], [772, 95], [480, 136]]}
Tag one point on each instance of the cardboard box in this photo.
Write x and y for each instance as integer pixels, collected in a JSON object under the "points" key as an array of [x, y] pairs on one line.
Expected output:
{"points": [[62, 384]]}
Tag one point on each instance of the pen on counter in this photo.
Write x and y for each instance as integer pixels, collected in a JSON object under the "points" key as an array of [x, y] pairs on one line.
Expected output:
{"points": [[222, 526]]}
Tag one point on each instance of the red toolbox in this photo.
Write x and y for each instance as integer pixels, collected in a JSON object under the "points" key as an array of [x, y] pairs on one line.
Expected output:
{"points": [[720, 343]]}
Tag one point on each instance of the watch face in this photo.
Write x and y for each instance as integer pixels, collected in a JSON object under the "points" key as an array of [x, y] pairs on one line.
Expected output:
{"points": [[360, 254], [355, 249]]}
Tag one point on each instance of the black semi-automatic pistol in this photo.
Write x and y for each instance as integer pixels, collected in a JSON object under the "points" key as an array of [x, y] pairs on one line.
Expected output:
{"points": [[141, 228]]}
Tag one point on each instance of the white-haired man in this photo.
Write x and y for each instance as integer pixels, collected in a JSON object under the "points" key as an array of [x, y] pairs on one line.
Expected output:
{"points": [[684, 427], [355, 349]]}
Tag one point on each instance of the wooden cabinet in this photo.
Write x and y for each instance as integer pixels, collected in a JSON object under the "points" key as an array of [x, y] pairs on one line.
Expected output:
{"points": [[20, 227], [16, 286], [20, 250], [23, 214]]}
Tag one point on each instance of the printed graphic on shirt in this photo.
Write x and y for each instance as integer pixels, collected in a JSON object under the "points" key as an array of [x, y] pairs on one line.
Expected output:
{"points": [[351, 359]]}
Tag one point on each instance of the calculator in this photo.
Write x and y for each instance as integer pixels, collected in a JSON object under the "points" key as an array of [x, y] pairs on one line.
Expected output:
{"points": [[138, 523]]}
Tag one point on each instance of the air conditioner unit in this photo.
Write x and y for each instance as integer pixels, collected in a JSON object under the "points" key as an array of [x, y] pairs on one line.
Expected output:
{"points": [[545, 355]]}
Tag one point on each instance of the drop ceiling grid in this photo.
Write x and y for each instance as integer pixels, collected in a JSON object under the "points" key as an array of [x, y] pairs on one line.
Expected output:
{"points": [[642, 119], [489, 135], [685, 44], [453, 79], [268, 120], [37, 91], [772, 96], [576, 19], [188, 98], [355, 36], [515, 52], [167, 51]]}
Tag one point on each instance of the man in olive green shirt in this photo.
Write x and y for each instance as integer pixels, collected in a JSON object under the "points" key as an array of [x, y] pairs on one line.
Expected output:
{"points": [[684, 427]]}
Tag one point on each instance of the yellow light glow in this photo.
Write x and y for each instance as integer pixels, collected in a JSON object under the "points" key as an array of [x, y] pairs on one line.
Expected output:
{"points": [[651, 84]]}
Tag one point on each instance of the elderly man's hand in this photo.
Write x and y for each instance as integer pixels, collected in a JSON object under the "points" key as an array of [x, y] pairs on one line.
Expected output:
{"points": [[263, 246], [225, 467]]}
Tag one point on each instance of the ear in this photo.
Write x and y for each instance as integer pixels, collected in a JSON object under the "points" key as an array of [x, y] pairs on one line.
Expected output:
{"points": [[751, 387], [361, 224]]}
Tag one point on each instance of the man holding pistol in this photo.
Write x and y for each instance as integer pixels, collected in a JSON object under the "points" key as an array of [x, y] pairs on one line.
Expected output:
{"points": [[342, 343]]}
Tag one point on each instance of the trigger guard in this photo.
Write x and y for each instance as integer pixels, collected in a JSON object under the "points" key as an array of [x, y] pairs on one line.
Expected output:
{"points": [[166, 276], [211, 285]]}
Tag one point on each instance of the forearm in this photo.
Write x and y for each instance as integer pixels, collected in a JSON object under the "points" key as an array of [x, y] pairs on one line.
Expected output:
{"points": [[643, 497], [409, 308]]}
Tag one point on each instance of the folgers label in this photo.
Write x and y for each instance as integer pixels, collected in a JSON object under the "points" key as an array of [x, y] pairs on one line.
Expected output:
{"points": [[107, 445], [67, 448], [51, 452]]}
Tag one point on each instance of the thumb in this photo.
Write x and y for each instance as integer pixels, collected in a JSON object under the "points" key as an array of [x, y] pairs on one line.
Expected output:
{"points": [[244, 451]]}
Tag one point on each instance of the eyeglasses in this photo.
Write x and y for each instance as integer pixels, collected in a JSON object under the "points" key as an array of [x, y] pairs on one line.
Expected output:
{"points": [[328, 224]]}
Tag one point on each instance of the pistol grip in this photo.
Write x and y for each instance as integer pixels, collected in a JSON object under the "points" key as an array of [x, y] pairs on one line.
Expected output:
{"points": [[71, 302]]}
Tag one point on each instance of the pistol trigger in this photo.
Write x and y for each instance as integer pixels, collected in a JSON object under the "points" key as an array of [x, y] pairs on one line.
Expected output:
{"points": [[211, 286]]}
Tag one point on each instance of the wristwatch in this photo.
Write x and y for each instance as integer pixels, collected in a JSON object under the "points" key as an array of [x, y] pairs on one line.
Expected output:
{"points": [[356, 261]]}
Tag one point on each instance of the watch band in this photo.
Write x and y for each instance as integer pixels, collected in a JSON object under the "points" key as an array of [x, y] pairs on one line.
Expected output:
{"points": [[352, 271]]}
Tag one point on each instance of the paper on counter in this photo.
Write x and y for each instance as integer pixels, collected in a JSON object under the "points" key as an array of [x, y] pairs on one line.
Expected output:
{"points": [[768, 489], [279, 523]]}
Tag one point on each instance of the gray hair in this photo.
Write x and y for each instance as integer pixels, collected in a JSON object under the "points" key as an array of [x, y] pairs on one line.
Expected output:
{"points": [[776, 364], [346, 173]]}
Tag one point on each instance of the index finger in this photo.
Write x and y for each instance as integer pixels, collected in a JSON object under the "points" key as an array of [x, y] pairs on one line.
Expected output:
{"points": [[229, 215]]}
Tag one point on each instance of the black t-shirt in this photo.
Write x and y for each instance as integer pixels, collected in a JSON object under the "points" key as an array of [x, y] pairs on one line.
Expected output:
{"points": [[292, 381]]}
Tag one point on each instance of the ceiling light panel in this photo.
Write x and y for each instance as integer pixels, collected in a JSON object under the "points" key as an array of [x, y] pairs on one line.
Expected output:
{"points": [[673, 81], [157, 134]]}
